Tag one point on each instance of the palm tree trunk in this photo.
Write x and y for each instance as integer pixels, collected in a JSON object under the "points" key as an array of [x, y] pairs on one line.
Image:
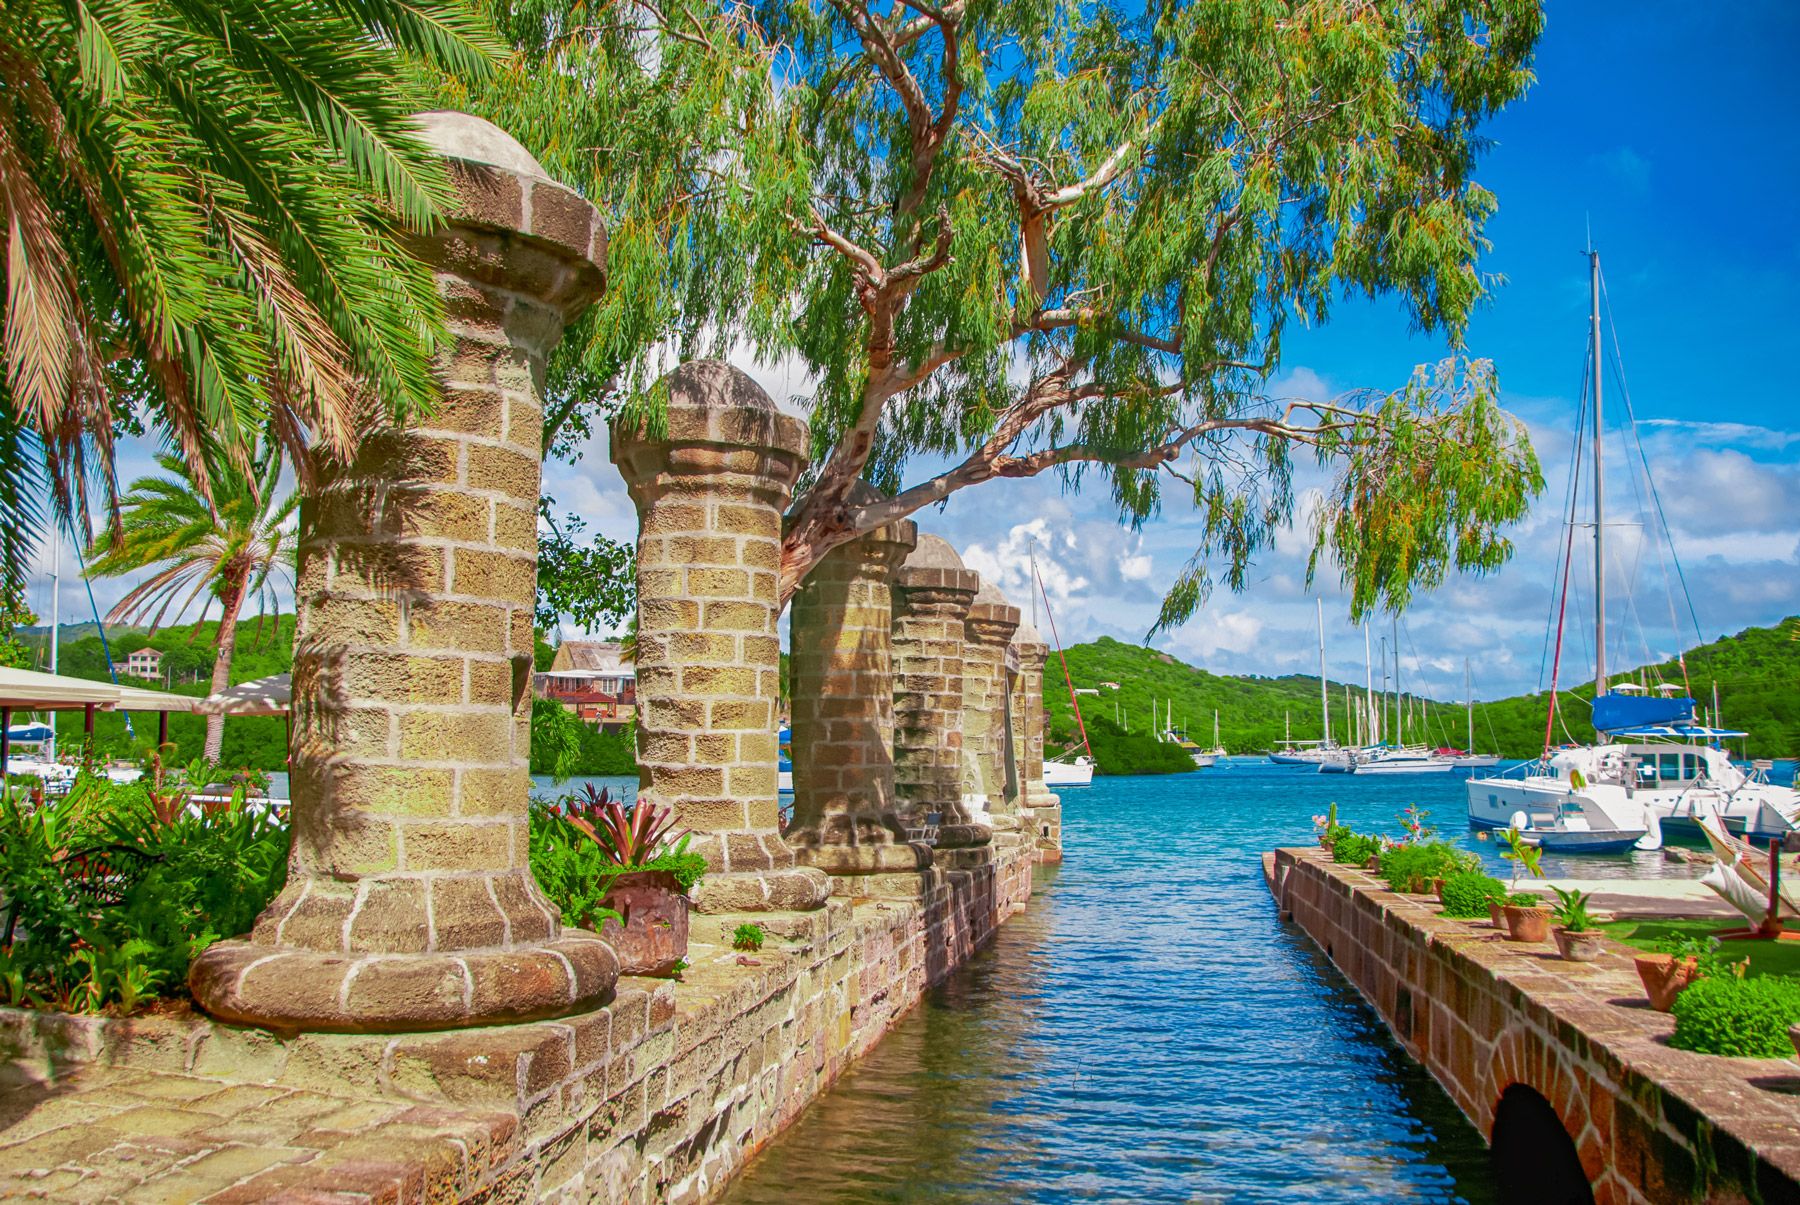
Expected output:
{"points": [[231, 601]]}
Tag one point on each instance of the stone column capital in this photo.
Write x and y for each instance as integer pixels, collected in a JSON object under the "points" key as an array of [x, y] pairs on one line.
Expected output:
{"points": [[717, 431], [944, 591], [992, 625]]}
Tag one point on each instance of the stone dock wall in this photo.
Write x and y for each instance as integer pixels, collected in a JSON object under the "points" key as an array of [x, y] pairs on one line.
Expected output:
{"points": [[661, 1095], [1514, 1034]]}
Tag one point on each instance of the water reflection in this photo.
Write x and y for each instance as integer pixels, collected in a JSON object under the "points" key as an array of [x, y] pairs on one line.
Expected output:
{"points": [[1146, 1031]]}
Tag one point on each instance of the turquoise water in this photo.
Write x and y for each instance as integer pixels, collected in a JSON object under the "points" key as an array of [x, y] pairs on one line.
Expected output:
{"points": [[1149, 1031]]}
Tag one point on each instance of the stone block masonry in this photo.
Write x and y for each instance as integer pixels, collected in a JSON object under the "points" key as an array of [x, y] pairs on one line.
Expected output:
{"points": [[1513, 1033], [662, 1095]]}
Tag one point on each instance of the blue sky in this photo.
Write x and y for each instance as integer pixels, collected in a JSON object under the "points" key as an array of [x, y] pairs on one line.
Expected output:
{"points": [[1671, 129]]}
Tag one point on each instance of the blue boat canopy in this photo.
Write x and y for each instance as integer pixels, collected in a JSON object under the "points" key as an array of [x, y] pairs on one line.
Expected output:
{"points": [[1615, 713], [1678, 732], [30, 732]]}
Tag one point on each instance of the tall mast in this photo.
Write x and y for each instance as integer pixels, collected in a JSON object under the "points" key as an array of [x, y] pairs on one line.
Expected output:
{"points": [[55, 618], [1469, 694], [1599, 484], [1368, 691], [1324, 690], [1399, 691]]}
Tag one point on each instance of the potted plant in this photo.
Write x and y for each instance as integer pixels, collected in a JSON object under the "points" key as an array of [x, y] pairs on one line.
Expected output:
{"points": [[647, 871], [1666, 973], [1576, 937], [1525, 858], [1527, 917]]}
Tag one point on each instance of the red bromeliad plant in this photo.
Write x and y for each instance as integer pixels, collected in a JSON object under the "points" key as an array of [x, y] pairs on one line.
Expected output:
{"points": [[631, 834]]}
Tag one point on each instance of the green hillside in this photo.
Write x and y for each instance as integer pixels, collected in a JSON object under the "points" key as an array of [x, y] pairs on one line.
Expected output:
{"points": [[1757, 671]]}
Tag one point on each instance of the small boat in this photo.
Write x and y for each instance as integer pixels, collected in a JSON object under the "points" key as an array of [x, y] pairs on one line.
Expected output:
{"points": [[1403, 760], [1075, 772], [784, 766]]}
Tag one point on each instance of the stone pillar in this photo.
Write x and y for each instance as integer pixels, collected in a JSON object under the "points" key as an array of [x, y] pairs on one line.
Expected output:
{"points": [[410, 903], [1042, 809], [710, 487], [841, 661], [987, 630], [932, 596]]}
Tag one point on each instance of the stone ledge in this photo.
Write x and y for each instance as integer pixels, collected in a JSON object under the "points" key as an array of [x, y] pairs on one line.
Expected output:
{"points": [[1482, 1013]]}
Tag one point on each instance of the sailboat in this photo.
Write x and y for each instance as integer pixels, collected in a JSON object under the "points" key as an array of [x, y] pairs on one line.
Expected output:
{"points": [[1068, 768], [1320, 752], [1654, 767], [1398, 758]]}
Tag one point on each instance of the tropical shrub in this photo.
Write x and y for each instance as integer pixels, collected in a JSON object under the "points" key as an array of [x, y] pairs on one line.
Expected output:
{"points": [[1468, 892], [1525, 899], [1411, 867], [1571, 910], [1740, 1017], [111, 891], [580, 843], [1354, 848]]}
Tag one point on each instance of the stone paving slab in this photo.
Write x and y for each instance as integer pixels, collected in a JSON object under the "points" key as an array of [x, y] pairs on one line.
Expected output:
{"points": [[106, 1134]]}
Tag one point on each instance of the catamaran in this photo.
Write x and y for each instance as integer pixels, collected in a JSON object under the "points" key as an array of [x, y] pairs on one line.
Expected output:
{"points": [[1655, 767]]}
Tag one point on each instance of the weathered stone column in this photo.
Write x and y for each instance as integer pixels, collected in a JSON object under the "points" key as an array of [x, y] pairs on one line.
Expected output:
{"points": [[987, 629], [410, 904], [841, 661], [710, 489], [1042, 809], [932, 595]]}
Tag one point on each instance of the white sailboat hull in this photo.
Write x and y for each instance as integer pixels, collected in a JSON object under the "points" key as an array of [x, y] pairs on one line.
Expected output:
{"points": [[1067, 774]]}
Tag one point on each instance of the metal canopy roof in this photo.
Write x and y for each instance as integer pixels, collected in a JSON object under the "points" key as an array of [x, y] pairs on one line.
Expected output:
{"points": [[29, 690], [272, 695]]}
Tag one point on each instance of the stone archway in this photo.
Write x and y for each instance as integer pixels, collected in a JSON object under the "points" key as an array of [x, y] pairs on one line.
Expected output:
{"points": [[1535, 1160]]}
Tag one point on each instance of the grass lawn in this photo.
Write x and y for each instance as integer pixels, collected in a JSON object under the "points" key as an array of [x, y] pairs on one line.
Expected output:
{"points": [[1766, 957]]}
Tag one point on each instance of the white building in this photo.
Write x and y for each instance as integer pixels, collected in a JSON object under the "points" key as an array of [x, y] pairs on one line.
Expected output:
{"points": [[145, 663]]}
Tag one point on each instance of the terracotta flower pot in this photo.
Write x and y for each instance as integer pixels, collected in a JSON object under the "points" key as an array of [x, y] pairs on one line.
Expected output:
{"points": [[653, 937], [1577, 947], [1664, 978], [1527, 924], [1497, 914], [1435, 887]]}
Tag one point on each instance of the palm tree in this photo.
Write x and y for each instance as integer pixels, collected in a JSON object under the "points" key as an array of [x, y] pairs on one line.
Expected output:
{"points": [[203, 208], [229, 549]]}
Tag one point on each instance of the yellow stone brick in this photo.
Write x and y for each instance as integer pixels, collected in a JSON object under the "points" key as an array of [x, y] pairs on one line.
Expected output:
{"points": [[493, 792], [444, 514], [716, 583], [515, 527], [396, 790], [490, 683], [478, 737], [495, 575], [503, 469], [457, 627], [718, 680], [456, 845], [464, 411]]}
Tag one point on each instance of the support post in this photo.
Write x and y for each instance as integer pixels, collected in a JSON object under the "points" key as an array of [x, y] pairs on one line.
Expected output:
{"points": [[987, 631], [932, 596], [710, 487], [410, 904], [1042, 809], [841, 658]]}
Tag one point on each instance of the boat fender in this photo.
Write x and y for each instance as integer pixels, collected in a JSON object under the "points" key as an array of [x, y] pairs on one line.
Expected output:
{"points": [[1519, 821], [1652, 838]]}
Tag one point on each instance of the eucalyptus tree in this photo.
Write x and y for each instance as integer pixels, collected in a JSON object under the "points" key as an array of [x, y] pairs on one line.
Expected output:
{"points": [[205, 208], [1013, 237], [232, 547]]}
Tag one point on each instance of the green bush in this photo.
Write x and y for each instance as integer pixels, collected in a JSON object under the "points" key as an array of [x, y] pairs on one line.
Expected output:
{"points": [[111, 890], [1732, 1016], [1354, 849], [747, 937], [1467, 893], [576, 871], [1403, 865]]}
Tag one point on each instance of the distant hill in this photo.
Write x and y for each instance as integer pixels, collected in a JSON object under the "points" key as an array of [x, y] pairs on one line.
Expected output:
{"points": [[1757, 671]]}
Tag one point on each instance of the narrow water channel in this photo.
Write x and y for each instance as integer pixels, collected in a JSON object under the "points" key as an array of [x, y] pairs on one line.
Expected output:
{"points": [[1147, 1031]]}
